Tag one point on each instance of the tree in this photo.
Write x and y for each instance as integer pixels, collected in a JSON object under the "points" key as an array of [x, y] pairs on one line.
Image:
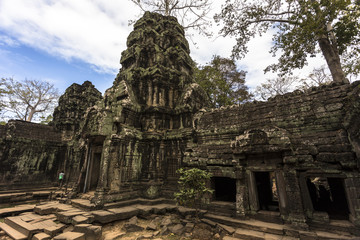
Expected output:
{"points": [[28, 98], [303, 28], [192, 187], [276, 86], [223, 83], [192, 14], [2, 93], [317, 77]]}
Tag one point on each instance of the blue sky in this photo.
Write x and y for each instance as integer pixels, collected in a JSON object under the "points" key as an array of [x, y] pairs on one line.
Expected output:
{"points": [[67, 41]]}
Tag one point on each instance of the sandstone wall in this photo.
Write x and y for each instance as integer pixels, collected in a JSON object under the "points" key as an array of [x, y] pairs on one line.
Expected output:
{"points": [[31, 154]]}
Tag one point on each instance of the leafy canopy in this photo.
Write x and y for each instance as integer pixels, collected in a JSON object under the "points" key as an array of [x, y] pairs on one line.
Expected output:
{"points": [[223, 83], [192, 187], [302, 28]]}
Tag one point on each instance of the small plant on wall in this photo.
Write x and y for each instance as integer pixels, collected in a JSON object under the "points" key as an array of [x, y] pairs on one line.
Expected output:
{"points": [[192, 188]]}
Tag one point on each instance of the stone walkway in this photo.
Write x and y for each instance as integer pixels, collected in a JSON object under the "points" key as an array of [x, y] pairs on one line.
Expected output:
{"points": [[54, 220]]}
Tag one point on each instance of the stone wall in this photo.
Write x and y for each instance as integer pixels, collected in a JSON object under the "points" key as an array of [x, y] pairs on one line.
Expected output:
{"points": [[298, 137], [31, 154]]}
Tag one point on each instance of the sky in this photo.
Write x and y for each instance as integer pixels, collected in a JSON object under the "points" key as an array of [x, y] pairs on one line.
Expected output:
{"points": [[71, 41]]}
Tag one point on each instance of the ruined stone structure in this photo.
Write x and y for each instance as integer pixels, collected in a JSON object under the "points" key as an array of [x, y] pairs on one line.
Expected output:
{"points": [[293, 159]]}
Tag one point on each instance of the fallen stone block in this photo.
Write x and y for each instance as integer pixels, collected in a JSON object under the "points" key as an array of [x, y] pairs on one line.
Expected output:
{"points": [[176, 229], [114, 236], [16, 210], [91, 232], [80, 219], [46, 209], [70, 236], [132, 227], [66, 216], [21, 226], [124, 212], [103, 216], [41, 236], [53, 230], [227, 229]]}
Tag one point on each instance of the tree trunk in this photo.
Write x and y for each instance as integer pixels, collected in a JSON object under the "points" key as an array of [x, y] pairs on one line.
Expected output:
{"points": [[31, 114], [333, 60]]}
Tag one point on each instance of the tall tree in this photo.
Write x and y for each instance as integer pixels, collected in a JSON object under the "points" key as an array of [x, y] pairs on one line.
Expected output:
{"points": [[303, 28], [28, 98], [276, 86], [223, 82], [192, 14]]}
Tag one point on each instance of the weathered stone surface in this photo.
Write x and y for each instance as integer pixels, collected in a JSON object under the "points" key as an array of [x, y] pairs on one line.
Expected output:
{"points": [[53, 230], [41, 236], [91, 232], [114, 235], [104, 216], [176, 229], [70, 236], [128, 227]]}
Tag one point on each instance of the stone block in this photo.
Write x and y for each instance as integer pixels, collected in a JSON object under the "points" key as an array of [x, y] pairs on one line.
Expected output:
{"points": [[114, 235], [41, 236], [176, 229], [91, 232], [67, 216], [80, 219], [103, 216], [53, 230], [227, 229], [70, 236], [124, 212]]}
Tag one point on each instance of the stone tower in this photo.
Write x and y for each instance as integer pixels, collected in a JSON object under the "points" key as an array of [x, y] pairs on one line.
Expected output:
{"points": [[136, 136]]}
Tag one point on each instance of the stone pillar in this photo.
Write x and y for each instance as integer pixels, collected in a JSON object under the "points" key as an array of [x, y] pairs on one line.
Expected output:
{"points": [[296, 214], [352, 190], [241, 193], [253, 195]]}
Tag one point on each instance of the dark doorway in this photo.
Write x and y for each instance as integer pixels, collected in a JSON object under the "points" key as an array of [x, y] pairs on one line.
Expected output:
{"points": [[328, 195], [225, 189], [95, 171], [267, 191]]}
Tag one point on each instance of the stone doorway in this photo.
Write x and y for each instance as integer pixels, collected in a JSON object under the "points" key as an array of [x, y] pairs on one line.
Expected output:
{"points": [[328, 195], [94, 171], [225, 189], [267, 192]]}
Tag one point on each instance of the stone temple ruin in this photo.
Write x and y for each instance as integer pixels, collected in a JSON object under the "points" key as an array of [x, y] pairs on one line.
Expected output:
{"points": [[293, 160]]}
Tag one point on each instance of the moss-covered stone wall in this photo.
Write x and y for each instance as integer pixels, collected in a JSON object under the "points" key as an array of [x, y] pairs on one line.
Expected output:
{"points": [[31, 155]]}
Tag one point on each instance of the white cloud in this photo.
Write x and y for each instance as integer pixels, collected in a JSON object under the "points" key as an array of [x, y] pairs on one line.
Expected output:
{"points": [[92, 31], [95, 31]]}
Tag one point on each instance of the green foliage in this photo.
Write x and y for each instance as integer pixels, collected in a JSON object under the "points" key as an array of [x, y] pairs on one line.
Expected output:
{"points": [[302, 29], [2, 94], [46, 120], [28, 98], [192, 187], [223, 83]]}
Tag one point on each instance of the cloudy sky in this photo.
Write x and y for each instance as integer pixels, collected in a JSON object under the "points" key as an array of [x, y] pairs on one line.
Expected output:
{"points": [[67, 41]]}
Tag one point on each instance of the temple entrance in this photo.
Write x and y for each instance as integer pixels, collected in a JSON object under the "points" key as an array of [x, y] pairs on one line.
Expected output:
{"points": [[94, 171], [328, 195], [225, 189], [267, 191]]}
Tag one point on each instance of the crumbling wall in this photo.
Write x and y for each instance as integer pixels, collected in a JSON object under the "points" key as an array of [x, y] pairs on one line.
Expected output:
{"points": [[298, 136], [30, 154]]}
